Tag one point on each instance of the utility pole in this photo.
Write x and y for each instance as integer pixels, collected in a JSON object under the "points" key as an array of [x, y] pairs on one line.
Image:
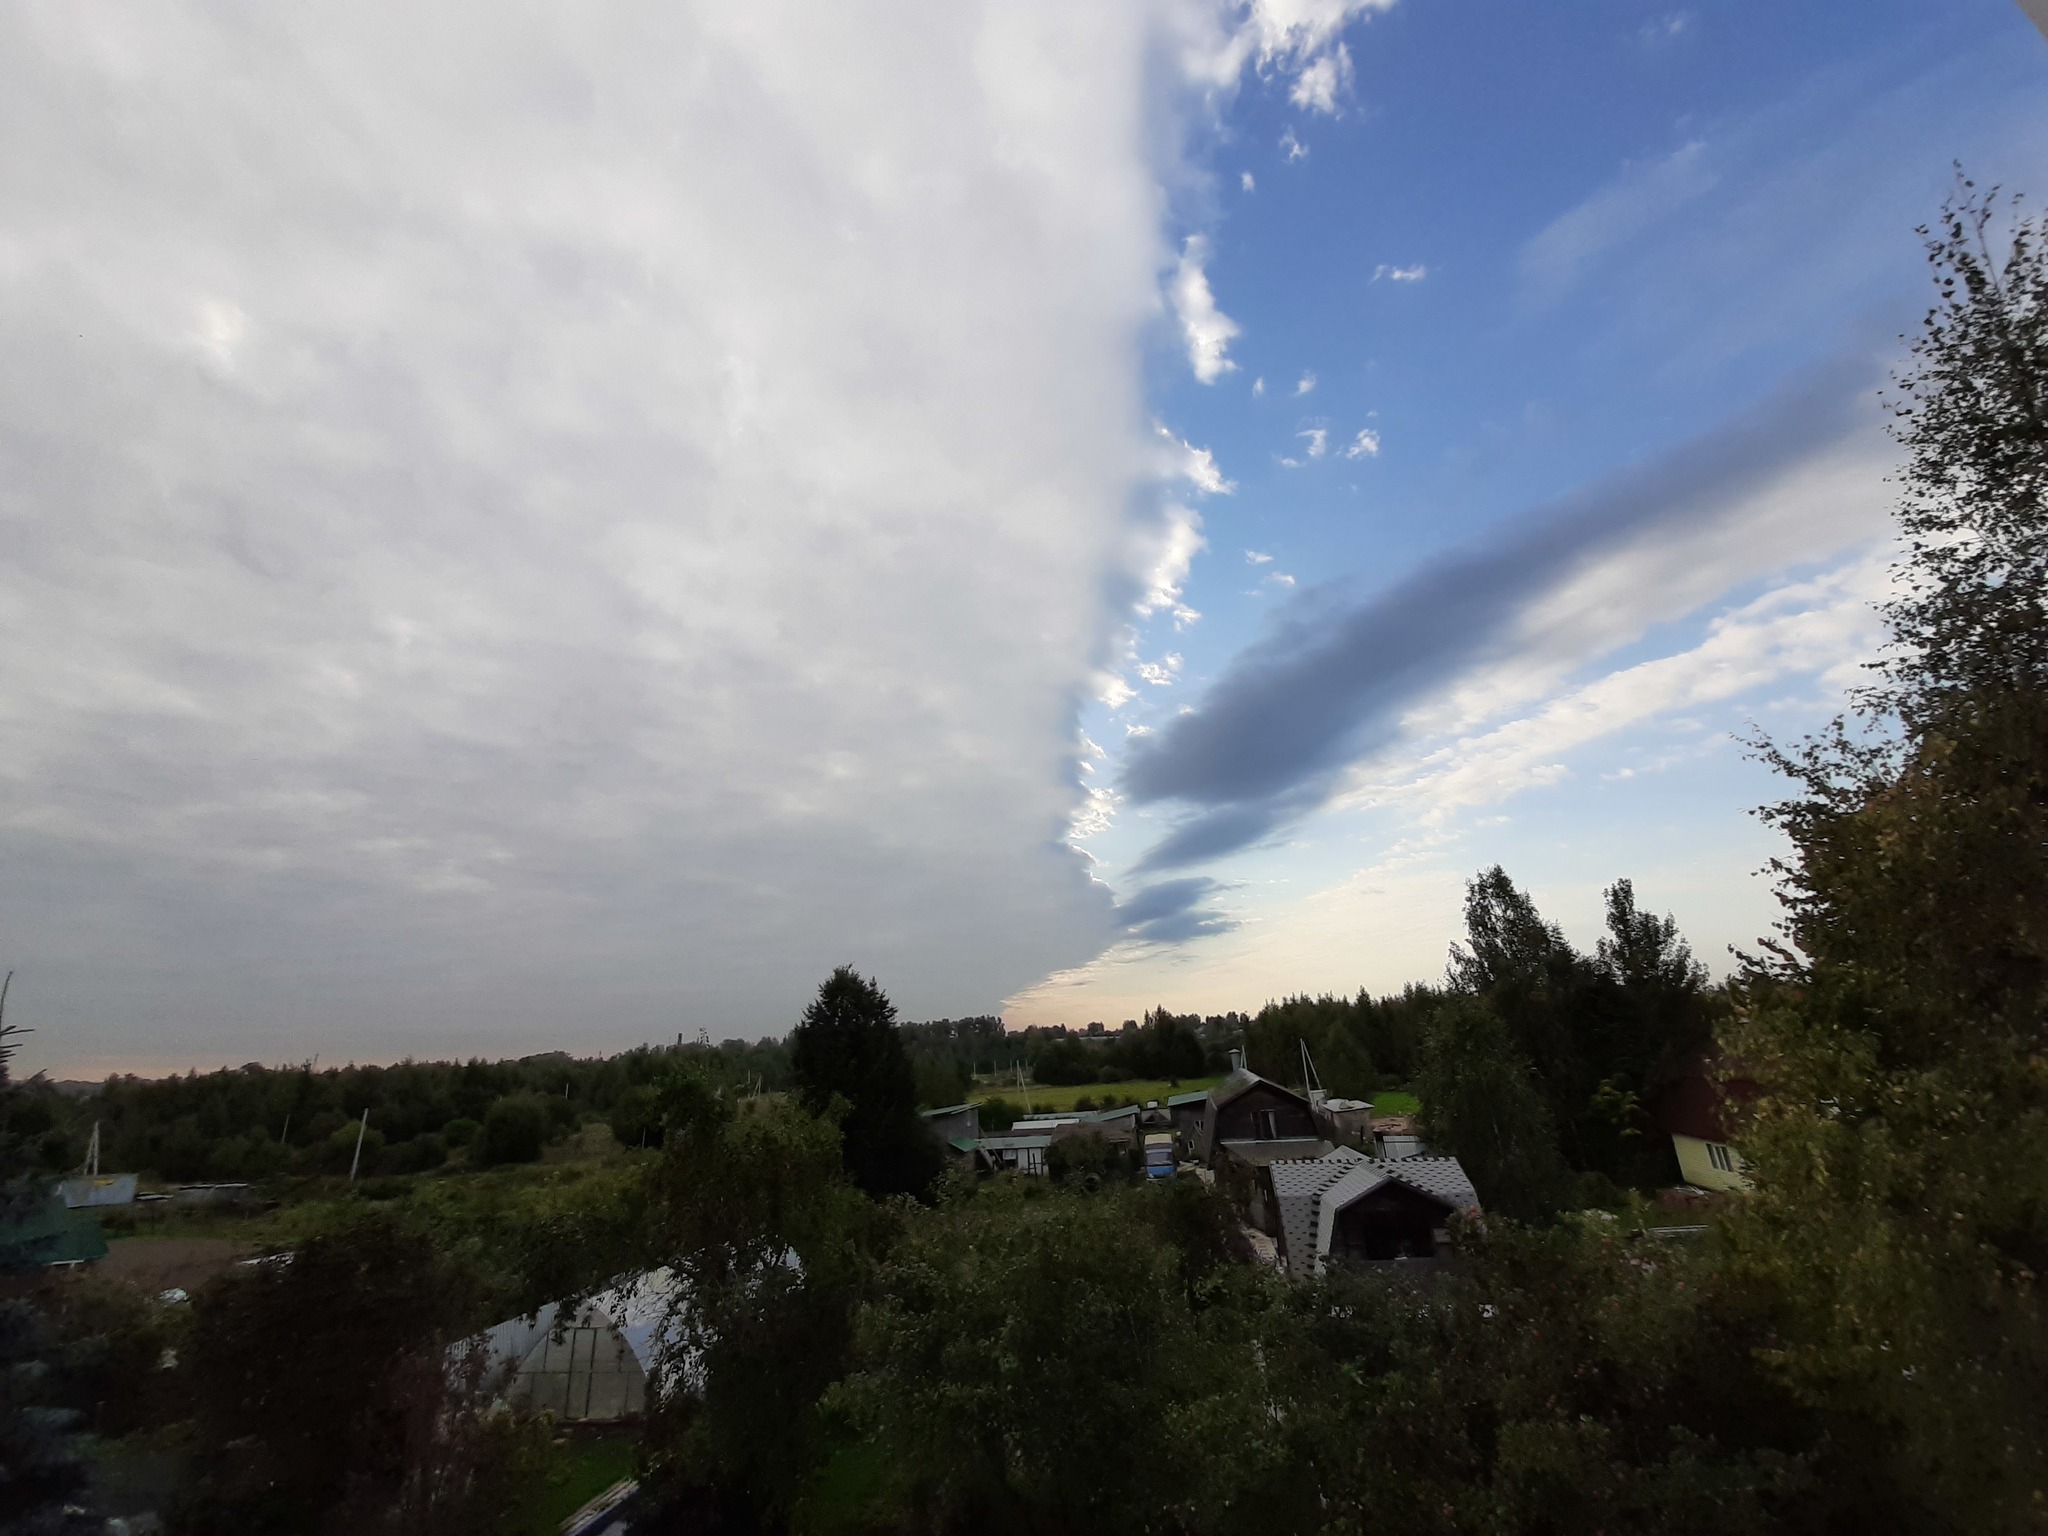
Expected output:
{"points": [[361, 1131]]}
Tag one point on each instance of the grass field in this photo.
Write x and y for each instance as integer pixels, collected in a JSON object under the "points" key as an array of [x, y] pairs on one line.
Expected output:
{"points": [[1391, 1101], [1044, 1098], [583, 1469]]}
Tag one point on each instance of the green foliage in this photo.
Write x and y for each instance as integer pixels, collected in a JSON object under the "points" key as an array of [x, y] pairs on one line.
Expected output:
{"points": [[1356, 1043], [293, 1368], [750, 1208], [257, 1122], [1088, 1162], [847, 1047], [1900, 1146], [1595, 1033], [998, 1114], [1566, 1380], [514, 1130], [1481, 1105], [1032, 1360]]}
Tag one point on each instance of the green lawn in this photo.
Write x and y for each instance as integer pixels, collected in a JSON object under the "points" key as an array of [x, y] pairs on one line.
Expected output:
{"points": [[1391, 1101], [1044, 1098], [583, 1469]]}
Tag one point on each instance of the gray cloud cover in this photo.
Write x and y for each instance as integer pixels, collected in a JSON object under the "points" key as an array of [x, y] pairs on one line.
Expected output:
{"points": [[1330, 682], [546, 527]]}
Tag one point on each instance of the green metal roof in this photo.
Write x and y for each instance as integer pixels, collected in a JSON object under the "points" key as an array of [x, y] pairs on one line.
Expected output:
{"points": [[50, 1233]]}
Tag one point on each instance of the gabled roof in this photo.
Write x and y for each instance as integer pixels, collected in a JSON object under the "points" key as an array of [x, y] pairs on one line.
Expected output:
{"points": [[950, 1109], [1243, 1080], [1310, 1191], [1174, 1101]]}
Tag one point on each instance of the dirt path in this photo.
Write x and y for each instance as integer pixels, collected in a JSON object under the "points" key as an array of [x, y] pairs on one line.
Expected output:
{"points": [[159, 1263]]}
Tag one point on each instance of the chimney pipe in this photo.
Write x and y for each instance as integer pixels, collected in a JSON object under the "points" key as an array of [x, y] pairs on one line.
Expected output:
{"points": [[1237, 1058]]}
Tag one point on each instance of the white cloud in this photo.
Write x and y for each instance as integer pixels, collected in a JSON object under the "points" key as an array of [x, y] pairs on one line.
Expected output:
{"points": [[1160, 674], [1198, 467], [1414, 274], [1297, 39], [1205, 329], [1364, 446], [1322, 81], [1258, 387], [1165, 552], [1245, 180], [1304, 384], [1318, 440], [1257, 557], [1292, 148], [556, 520], [1281, 579]]}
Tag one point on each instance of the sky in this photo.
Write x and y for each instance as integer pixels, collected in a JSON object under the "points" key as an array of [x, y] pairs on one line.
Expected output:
{"points": [[548, 529]]}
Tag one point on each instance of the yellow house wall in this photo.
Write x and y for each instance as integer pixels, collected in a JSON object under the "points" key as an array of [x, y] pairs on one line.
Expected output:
{"points": [[1698, 1169]]}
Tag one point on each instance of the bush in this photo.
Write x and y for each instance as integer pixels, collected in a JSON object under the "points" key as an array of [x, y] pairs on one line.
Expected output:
{"points": [[636, 1117], [460, 1133], [998, 1115], [514, 1130]]}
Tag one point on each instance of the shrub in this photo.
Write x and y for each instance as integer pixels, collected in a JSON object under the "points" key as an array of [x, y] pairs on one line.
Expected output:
{"points": [[460, 1133], [514, 1130]]}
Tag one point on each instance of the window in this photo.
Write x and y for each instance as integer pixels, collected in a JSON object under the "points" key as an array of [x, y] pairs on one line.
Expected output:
{"points": [[1268, 1123], [1720, 1157]]}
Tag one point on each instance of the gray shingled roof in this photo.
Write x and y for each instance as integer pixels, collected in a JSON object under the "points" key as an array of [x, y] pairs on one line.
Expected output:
{"points": [[1310, 1191]]}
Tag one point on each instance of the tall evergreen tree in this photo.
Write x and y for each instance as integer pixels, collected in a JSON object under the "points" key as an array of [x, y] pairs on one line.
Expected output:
{"points": [[847, 1046]]}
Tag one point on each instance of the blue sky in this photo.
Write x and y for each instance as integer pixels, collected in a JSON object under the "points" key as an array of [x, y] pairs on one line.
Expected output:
{"points": [[537, 527], [1530, 251]]}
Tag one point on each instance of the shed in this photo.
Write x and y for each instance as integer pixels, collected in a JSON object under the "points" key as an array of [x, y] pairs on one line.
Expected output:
{"points": [[97, 1189], [955, 1122]]}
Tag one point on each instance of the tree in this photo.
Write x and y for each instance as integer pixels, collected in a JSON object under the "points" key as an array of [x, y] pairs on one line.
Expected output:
{"points": [[1481, 1105], [40, 1457], [1032, 1361], [297, 1369], [514, 1131], [1898, 1024], [846, 1046]]}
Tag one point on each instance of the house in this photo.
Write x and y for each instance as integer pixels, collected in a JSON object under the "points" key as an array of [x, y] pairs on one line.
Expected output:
{"points": [[1697, 1108], [1345, 1207], [1255, 1120], [955, 1123]]}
